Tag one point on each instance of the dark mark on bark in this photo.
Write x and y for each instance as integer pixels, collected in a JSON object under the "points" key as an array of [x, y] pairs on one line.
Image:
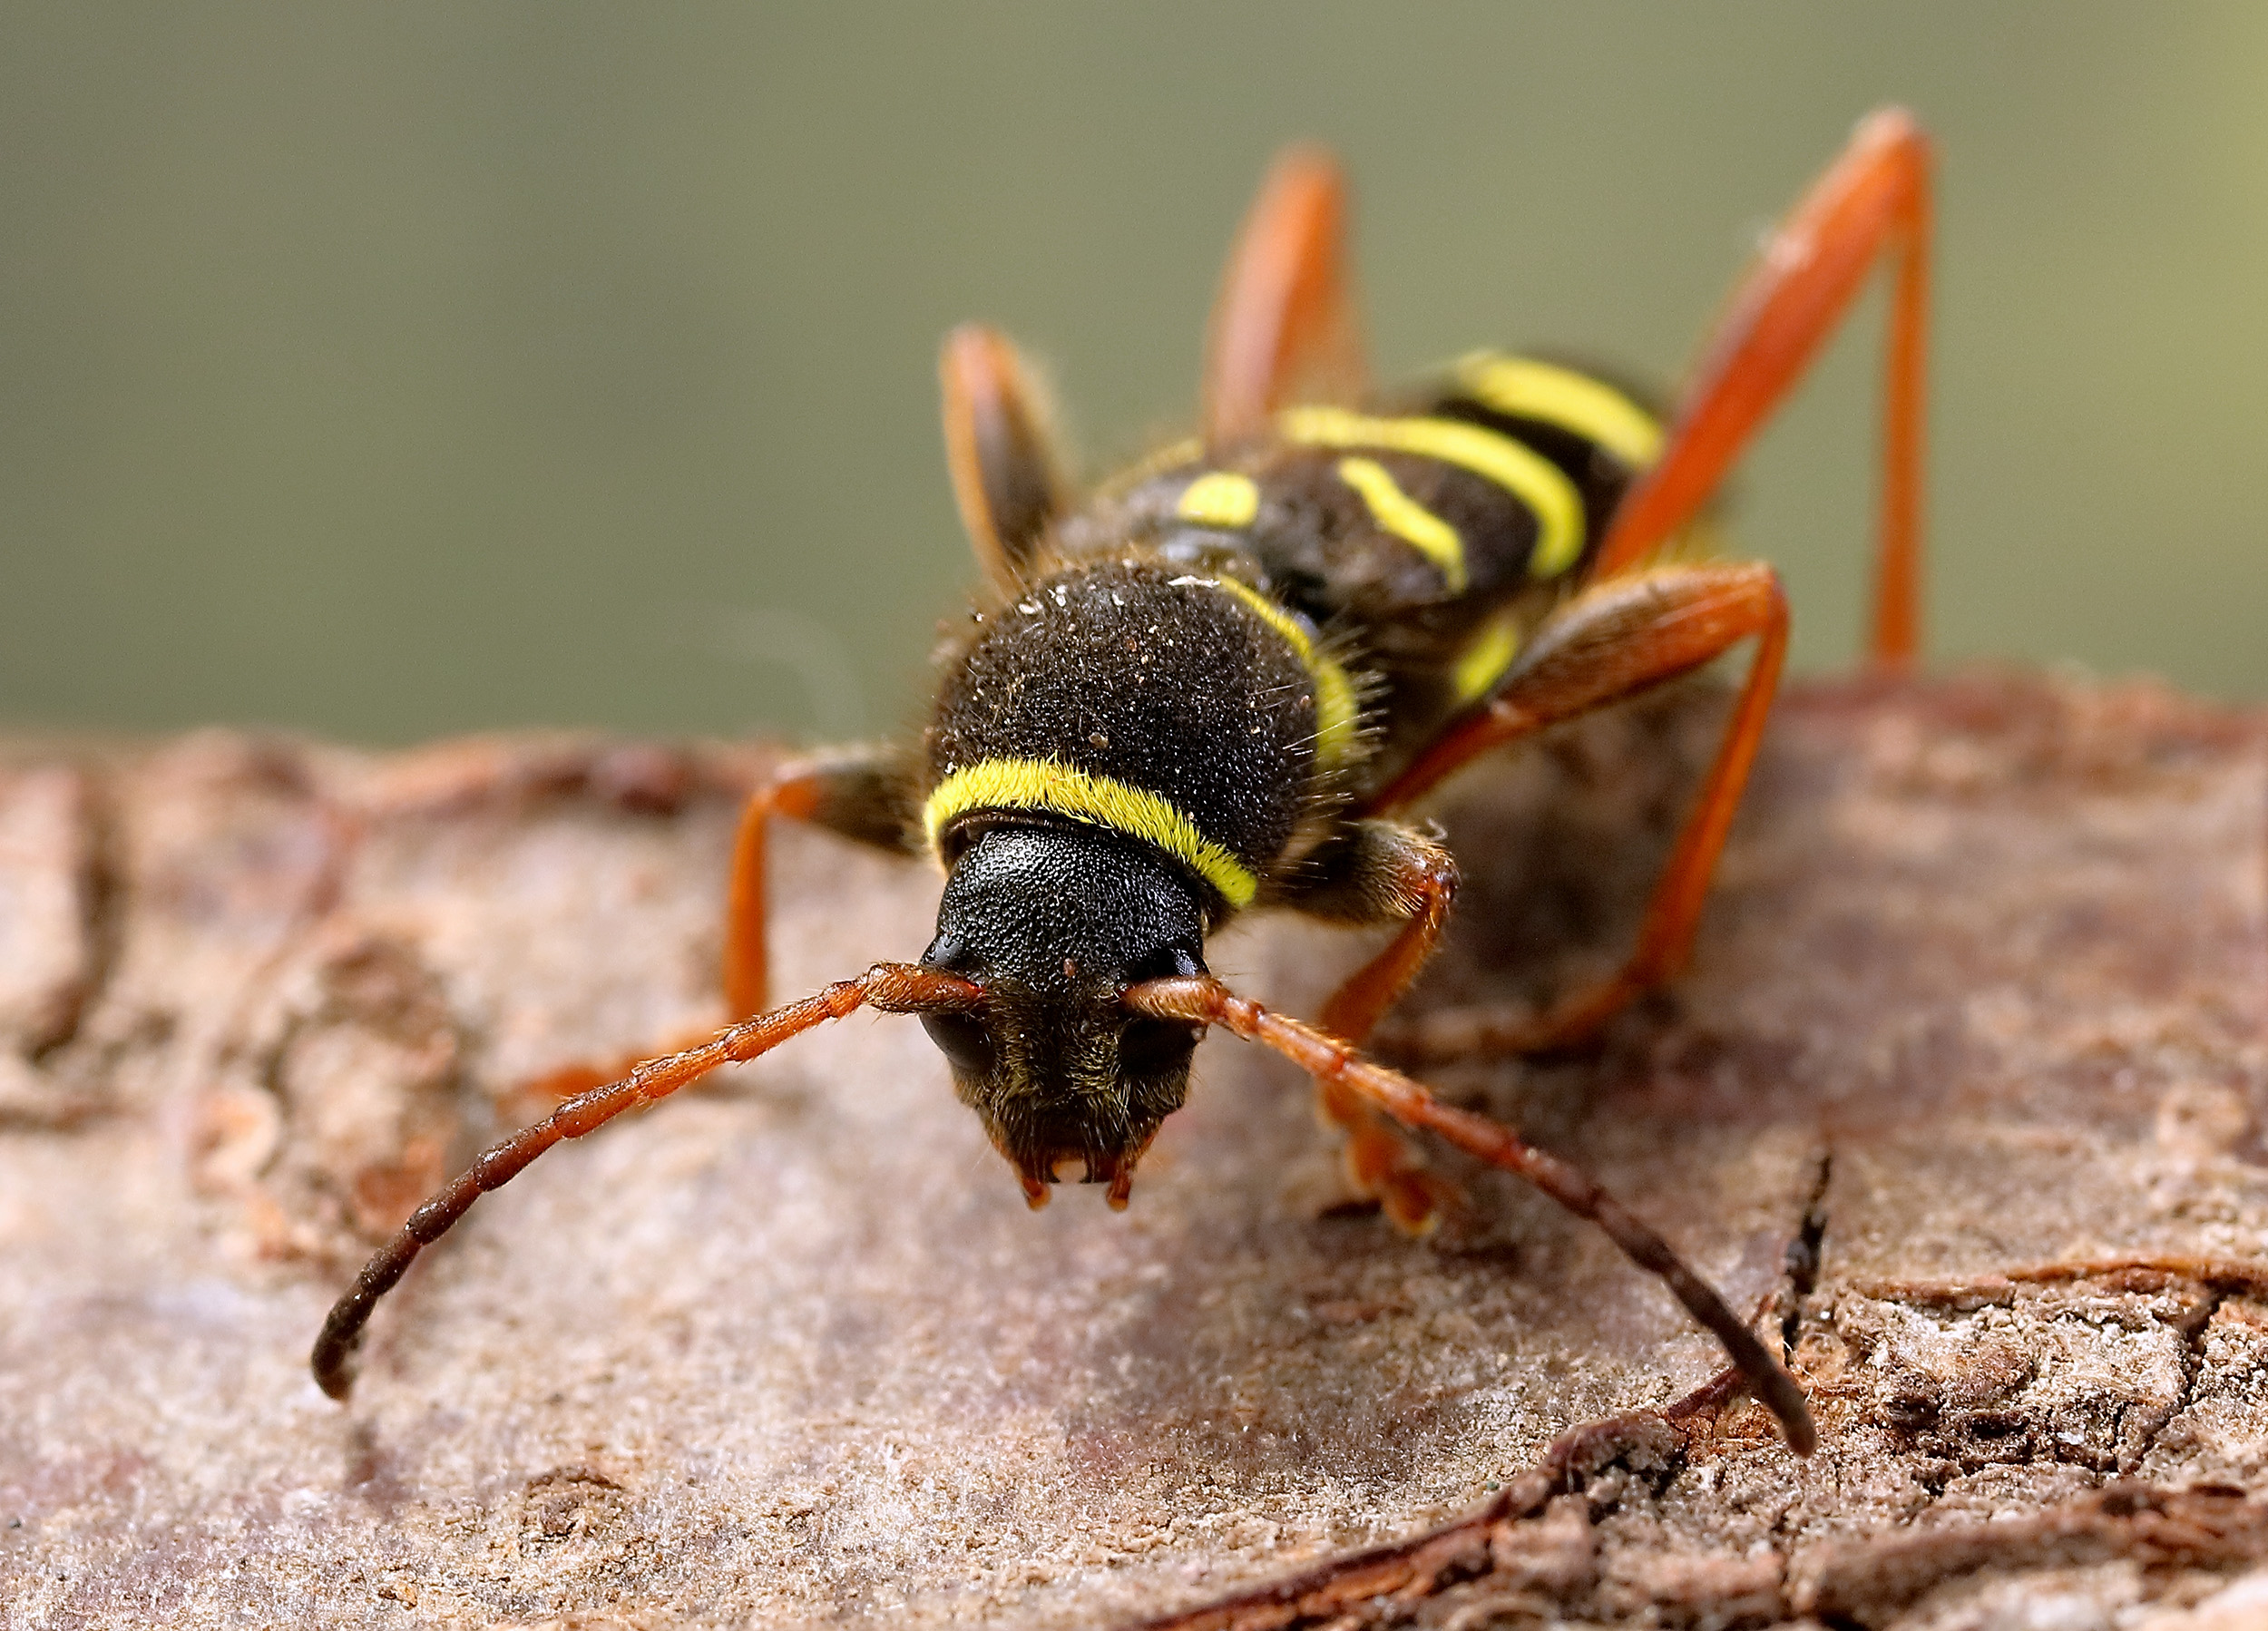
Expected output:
{"points": [[100, 887], [1805, 1252]]}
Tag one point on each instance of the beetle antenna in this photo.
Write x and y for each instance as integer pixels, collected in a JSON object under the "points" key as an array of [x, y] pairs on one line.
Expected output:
{"points": [[1207, 1001], [891, 987]]}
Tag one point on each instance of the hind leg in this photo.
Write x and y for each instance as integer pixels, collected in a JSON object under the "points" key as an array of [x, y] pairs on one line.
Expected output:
{"points": [[1873, 201]]}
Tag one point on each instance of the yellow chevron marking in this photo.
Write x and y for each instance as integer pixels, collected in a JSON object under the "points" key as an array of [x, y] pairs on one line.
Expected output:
{"points": [[1522, 472], [1097, 800], [1222, 499], [1334, 692], [1483, 662], [1526, 390], [1408, 520]]}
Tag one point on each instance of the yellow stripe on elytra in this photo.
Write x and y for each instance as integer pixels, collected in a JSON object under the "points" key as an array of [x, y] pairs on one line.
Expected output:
{"points": [[1408, 520], [1097, 800], [1523, 388], [1334, 693], [1522, 472], [1221, 499], [1482, 663]]}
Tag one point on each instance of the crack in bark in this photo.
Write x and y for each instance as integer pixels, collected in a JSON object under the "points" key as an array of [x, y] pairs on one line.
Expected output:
{"points": [[55, 1102], [2142, 1274], [1854, 1584], [1967, 1440], [1365, 1586], [1807, 1249], [101, 888], [1858, 1583], [2193, 1366], [1407, 1572]]}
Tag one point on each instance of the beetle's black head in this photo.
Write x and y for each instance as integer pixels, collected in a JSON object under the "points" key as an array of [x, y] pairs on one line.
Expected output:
{"points": [[1054, 921]]}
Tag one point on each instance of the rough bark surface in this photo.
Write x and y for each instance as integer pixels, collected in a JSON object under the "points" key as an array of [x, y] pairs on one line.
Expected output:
{"points": [[1967, 1094]]}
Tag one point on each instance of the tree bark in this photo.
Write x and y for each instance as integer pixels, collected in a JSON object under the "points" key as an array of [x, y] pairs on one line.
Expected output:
{"points": [[1966, 1093]]}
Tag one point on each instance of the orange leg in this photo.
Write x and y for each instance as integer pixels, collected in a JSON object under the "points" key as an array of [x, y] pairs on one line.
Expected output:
{"points": [[1284, 327], [1207, 1001], [1422, 881], [748, 944], [1616, 638], [1875, 199], [478, 772], [851, 796], [1387, 874], [999, 447]]}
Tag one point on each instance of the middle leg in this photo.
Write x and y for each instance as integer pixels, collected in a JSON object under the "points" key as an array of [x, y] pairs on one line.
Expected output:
{"points": [[1617, 639]]}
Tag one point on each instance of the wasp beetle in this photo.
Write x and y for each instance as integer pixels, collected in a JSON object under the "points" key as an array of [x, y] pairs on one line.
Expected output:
{"points": [[1218, 682]]}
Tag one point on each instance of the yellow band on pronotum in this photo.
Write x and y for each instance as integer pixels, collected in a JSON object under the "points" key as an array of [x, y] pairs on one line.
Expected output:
{"points": [[1520, 471], [1334, 692], [1097, 800]]}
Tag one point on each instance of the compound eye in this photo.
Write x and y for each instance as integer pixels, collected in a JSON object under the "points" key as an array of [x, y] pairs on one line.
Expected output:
{"points": [[963, 1041], [1156, 1047]]}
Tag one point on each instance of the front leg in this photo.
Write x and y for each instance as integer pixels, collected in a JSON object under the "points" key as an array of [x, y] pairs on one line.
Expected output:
{"points": [[1381, 872], [861, 793]]}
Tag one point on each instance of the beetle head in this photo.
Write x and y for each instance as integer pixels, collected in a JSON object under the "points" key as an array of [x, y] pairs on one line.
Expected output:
{"points": [[1054, 921]]}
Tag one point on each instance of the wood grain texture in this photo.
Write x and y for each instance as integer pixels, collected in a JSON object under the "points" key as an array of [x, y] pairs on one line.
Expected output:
{"points": [[1967, 1093]]}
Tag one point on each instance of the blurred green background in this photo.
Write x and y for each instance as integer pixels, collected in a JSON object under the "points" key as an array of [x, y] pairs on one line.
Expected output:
{"points": [[393, 369]]}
